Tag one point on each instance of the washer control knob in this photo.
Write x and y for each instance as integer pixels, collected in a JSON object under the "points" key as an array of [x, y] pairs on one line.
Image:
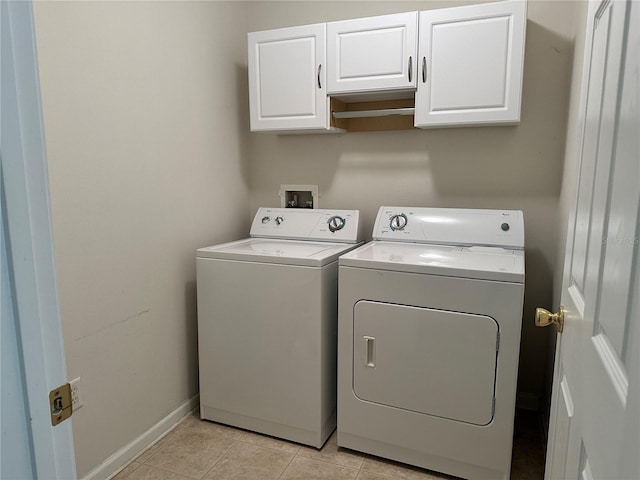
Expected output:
{"points": [[336, 223], [265, 219], [398, 222], [279, 220], [505, 227]]}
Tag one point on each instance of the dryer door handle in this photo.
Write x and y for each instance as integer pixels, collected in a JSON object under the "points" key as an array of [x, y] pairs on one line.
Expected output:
{"points": [[370, 351]]}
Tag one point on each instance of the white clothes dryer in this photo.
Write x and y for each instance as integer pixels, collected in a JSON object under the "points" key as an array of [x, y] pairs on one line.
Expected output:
{"points": [[429, 327], [267, 321]]}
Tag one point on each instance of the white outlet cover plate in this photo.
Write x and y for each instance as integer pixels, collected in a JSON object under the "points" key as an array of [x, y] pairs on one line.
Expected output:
{"points": [[76, 393]]}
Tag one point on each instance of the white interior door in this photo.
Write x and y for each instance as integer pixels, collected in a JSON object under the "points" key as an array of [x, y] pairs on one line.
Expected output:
{"points": [[595, 412]]}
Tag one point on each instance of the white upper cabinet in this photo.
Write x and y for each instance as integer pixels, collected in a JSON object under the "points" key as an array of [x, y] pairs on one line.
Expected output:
{"points": [[464, 65], [470, 65], [287, 87], [372, 54]]}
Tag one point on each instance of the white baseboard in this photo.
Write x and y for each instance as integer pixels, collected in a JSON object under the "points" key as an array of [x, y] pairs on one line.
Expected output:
{"points": [[115, 462]]}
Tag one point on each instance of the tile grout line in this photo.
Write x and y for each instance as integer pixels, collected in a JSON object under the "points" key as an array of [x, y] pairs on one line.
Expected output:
{"points": [[288, 464], [153, 467], [267, 446], [170, 441], [329, 463], [235, 441], [177, 433]]}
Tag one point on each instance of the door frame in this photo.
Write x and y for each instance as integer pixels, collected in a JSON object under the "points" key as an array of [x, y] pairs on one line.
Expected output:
{"points": [[30, 242], [571, 219]]}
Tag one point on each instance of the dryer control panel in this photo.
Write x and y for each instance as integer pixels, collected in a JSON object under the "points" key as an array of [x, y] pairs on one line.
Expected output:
{"points": [[307, 224], [450, 226]]}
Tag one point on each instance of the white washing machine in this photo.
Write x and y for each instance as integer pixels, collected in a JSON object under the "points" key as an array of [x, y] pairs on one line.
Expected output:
{"points": [[428, 339], [267, 321]]}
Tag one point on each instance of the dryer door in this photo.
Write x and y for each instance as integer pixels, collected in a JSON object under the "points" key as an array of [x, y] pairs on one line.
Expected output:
{"points": [[434, 362]]}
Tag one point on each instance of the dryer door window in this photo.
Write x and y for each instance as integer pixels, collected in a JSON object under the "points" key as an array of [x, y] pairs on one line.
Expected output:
{"points": [[429, 361]]}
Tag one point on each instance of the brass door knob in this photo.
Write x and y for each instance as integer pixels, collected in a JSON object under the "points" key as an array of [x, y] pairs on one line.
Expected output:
{"points": [[545, 318]]}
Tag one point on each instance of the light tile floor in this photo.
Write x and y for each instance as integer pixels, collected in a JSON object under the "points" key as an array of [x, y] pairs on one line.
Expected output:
{"points": [[197, 449]]}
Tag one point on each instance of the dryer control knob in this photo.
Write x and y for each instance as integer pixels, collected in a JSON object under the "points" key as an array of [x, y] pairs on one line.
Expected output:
{"points": [[505, 227], [279, 220], [336, 223], [398, 222], [265, 219]]}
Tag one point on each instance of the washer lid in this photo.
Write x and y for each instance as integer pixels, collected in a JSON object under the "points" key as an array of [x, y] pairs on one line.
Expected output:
{"points": [[287, 252], [485, 263]]}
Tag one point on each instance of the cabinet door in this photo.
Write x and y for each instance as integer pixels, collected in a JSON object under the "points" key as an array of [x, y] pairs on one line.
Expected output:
{"points": [[471, 61], [375, 53], [287, 88]]}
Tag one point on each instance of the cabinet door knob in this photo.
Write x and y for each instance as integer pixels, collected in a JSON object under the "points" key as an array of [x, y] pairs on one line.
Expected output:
{"points": [[424, 69], [410, 67], [319, 70]]}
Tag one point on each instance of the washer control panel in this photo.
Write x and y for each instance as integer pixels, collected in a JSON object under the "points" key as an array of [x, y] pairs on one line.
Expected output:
{"points": [[450, 226], [307, 224]]}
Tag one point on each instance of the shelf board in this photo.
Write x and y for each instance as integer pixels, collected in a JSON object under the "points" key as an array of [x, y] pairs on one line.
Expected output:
{"points": [[385, 112]]}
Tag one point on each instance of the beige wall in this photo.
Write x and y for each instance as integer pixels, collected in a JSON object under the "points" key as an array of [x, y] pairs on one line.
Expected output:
{"points": [[145, 107], [145, 137], [516, 167]]}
